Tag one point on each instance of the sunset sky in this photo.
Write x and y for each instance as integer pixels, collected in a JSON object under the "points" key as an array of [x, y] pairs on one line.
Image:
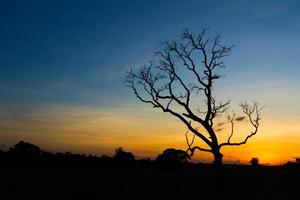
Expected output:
{"points": [[62, 66]]}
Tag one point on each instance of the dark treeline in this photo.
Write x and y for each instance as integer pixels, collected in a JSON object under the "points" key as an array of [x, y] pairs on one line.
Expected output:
{"points": [[25, 154]]}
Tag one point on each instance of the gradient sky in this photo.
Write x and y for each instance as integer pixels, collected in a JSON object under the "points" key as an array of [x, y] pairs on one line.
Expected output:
{"points": [[62, 64]]}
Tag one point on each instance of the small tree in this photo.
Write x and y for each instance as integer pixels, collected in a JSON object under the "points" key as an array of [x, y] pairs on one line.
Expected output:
{"points": [[174, 156], [24, 153], [186, 71], [254, 162], [123, 156]]}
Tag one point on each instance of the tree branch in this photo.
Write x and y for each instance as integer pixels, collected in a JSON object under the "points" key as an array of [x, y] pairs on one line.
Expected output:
{"points": [[192, 149], [249, 111]]}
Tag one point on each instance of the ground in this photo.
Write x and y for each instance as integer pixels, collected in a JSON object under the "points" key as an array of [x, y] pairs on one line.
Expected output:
{"points": [[148, 183]]}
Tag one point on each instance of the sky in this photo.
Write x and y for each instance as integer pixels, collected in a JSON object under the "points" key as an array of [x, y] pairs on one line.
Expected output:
{"points": [[62, 66]]}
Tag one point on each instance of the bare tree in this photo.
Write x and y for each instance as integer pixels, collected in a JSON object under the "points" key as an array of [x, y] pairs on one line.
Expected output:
{"points": [[180, 79]]}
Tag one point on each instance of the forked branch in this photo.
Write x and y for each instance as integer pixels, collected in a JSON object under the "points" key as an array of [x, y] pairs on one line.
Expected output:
{"points": [[253, 113], [191, 149]]}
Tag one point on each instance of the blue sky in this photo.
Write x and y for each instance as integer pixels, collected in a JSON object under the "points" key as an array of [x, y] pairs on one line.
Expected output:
{"points": [[76, 53]]}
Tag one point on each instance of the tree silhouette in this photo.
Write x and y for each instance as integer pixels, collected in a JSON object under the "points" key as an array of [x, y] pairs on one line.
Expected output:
{"points": [[24, 153], [254, 162], [173, 156], [123, 156], [183, 75]]}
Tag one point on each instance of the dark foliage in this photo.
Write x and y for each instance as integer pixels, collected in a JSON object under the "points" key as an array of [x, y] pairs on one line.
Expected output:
{"points": [[291, 164], [172, 157], [123, 156], [25, 154], [254, 162]]}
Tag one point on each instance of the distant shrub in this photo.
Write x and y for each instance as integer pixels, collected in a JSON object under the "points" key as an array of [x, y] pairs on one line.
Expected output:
{"points": [[24, 154], [254, 162], [172, 156], [123, 156]]}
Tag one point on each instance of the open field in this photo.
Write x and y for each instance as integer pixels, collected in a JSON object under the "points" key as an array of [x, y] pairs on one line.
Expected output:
{"points": [[147, 183]]}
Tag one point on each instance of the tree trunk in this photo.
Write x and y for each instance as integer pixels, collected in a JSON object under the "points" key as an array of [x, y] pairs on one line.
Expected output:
{"points": [[218, 164]]}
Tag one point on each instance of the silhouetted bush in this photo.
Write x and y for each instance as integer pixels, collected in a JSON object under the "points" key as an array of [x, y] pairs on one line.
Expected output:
{"points": [[254, 162], [23, 154], [123, 158], [172, 157], [292, 165]]}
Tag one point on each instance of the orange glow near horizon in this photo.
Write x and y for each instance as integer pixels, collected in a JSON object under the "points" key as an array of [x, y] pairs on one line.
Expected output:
{"points": [[143, 131]]}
